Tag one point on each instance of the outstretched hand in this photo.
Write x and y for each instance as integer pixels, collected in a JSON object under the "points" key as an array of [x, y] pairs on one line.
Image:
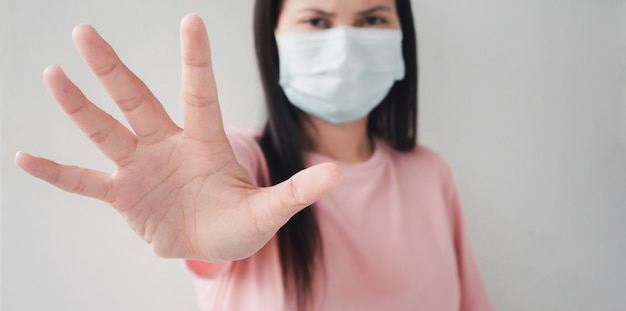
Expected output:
{"points": [[181, 190]]}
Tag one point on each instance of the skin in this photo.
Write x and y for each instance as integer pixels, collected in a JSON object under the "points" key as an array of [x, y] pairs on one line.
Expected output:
{"points": [[181, 189]]}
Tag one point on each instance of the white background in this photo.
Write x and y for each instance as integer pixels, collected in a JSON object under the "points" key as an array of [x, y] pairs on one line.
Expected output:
{"points": [[526, 99]]}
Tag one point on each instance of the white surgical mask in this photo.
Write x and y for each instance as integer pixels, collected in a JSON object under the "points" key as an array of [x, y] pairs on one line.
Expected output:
{"points": [[340, 74]]}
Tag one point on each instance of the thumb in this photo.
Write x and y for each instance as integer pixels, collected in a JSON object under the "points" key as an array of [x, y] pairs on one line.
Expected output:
{"points": [[301, 190]]}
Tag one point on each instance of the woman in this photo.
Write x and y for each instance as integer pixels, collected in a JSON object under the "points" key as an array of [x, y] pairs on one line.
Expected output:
{"points": [[386, 236]]}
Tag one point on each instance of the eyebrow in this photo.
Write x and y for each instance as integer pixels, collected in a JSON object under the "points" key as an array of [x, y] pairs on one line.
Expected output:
{"points": [[318, 11], [375, 9], [365, 12]]}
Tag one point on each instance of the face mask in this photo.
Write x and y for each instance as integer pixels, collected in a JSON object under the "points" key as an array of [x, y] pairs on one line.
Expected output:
{"points": [[341, 74]]}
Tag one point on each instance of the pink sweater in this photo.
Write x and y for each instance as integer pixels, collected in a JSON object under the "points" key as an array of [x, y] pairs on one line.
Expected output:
{"points": [[393, 239]]}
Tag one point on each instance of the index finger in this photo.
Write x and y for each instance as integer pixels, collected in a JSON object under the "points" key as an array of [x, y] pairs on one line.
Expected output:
{"points": [[203, 119]]}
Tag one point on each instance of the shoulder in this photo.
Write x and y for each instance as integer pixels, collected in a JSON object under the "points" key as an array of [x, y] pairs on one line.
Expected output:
{"points": [[421, 156], [243, 140], [245, 144], [425, 166], [248, 152], [424, 171]]}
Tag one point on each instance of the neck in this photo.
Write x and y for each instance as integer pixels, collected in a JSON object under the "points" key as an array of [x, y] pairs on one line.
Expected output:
{"points": [[347, 142]]}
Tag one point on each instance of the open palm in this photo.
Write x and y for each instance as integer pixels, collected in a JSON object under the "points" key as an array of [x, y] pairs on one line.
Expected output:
{"points": [[181, 190]]}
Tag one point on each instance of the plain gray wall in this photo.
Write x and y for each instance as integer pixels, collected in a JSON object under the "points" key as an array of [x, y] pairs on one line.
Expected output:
{"points": [[526, 99]]}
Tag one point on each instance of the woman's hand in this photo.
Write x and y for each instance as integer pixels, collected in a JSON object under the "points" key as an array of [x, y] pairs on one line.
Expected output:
{"points": [[181, 190]]}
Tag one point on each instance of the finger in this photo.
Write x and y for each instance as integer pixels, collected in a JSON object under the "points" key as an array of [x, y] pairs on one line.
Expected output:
{"points": [[296, 193], [73, 179], [142, 110], [114, 139], [203, 120]]}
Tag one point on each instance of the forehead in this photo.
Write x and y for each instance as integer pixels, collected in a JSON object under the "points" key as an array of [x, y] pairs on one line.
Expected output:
{"points": [[337, 5]]}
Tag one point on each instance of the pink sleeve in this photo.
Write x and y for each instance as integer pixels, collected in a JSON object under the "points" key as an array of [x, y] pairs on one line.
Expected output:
{"points": [[474, 296], [207, 270], [249, 155]]}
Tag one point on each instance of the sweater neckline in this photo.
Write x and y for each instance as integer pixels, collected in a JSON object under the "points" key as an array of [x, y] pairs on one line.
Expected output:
{"points": [[377, 157]]}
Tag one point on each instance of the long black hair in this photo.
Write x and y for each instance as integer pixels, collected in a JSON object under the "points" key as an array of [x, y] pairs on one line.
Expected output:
{"points": [[283, 140]]}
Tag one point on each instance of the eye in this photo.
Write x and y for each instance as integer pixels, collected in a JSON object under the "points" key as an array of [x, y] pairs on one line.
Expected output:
{"points": [[318, 22], [372, 21]]}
